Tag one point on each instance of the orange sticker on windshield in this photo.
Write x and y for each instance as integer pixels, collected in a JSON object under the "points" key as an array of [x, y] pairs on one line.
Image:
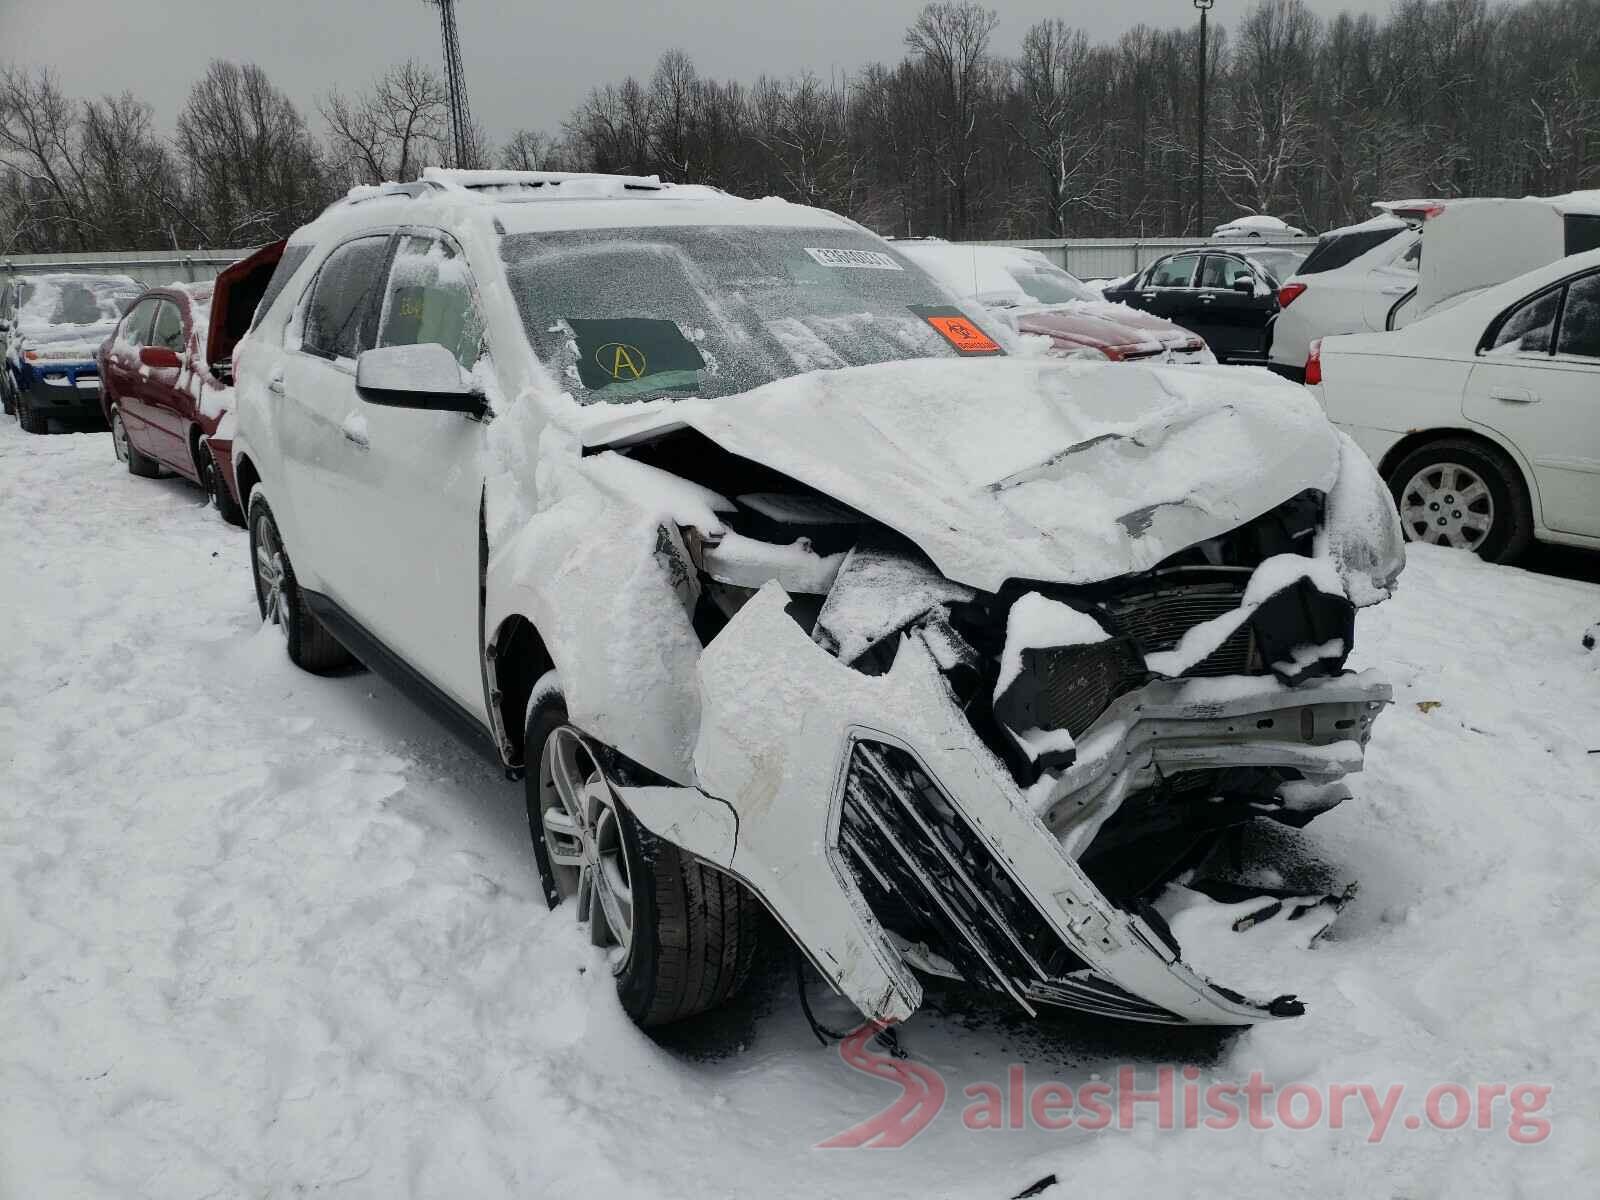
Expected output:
{"points": [[955, 327]]}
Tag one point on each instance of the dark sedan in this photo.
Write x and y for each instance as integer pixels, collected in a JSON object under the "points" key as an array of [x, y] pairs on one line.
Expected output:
{"points": [[1229, 297]]}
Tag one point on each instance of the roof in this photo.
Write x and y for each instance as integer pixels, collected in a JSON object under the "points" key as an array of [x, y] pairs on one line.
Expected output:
{"points": [[537, 201]]}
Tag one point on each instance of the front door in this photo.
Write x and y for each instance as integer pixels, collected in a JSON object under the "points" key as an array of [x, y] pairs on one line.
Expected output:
{"points": [[158, 392], [127, 382], [1235, 306], [1538, 386], [413, 527]]}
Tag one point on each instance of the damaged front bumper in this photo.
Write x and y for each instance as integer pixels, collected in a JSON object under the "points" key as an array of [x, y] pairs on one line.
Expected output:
{"points": [[857, 806]]}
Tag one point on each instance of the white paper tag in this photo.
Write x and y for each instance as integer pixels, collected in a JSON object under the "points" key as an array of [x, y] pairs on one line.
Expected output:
{"points": [[871, 260]]}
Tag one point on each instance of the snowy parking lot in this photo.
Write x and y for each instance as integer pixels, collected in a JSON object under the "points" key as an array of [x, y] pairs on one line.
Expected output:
{"points": [[266, 934]]}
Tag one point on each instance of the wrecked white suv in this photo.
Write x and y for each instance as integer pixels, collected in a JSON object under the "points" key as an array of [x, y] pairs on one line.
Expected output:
{"points": [[782, 578]]}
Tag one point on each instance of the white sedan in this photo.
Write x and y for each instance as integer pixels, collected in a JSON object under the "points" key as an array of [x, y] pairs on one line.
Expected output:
{"points": [[1257, 225], [1484, 419]]}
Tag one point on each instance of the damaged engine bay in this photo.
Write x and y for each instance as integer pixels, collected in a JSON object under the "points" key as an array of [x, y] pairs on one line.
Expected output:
{"points": [[1141, 720]]}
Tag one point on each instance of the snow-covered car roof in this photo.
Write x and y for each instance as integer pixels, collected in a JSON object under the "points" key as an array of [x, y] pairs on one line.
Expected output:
{"points": [[1385, 220], [1260, 222], [512, 202]]}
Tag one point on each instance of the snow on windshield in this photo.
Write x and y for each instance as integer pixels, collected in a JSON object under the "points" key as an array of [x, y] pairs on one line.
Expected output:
{"points": [[76, 299], [631, 314]]}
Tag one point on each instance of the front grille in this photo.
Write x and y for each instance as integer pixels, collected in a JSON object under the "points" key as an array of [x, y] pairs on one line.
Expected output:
{"points": [[929, 877], [1158, 621]]}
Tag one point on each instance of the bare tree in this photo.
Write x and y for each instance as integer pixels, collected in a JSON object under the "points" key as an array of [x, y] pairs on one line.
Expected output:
{"points": [[952, 42], [394, 129]]}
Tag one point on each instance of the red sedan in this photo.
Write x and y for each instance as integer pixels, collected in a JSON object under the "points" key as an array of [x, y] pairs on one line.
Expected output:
{"points": [[166, 377]]}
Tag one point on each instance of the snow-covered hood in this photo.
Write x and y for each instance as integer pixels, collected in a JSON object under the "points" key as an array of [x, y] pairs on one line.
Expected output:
{"points": [[1029, 469], [1100, 324], [64, 342]]}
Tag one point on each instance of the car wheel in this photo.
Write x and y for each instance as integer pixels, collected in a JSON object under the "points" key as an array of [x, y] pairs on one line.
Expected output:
{"points": [[217, 488], [680, 936], [30, 421], [5, 393], [138, 464], [311, 647], [1465, 495]]}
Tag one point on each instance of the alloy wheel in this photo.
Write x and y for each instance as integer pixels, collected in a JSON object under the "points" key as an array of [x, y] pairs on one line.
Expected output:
{"points": [[1447, 504], [584, 839], [272, 576], [119, 436]]}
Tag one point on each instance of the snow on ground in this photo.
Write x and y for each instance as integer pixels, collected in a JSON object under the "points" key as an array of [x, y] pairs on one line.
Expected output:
{"points": [[263, 934]]}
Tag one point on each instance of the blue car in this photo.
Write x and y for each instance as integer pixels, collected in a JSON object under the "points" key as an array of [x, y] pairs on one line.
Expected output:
{"points": [[50, 327]]}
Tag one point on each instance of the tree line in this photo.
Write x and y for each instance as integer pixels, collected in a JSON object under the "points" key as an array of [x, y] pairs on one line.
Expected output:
{"points": [[1309, 119]]}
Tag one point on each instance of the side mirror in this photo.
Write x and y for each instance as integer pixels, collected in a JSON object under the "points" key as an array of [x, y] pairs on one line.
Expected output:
{"points": [[425, 377], [1245, 284], [159, 357], [5, 325]]}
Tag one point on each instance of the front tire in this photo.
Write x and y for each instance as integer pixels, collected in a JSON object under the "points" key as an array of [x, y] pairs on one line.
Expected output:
{"points": [[681, 936], [311, 647], [217, 488], [30, 421], [1463, 494]]}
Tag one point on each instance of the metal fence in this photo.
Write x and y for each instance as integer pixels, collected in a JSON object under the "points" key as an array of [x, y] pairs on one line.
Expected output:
{"points": [[1112, 258], [149, 267]]}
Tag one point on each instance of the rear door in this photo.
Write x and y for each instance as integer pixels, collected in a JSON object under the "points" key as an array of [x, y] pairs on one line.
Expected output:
{"points": [[316, 388], [1537, 383]]}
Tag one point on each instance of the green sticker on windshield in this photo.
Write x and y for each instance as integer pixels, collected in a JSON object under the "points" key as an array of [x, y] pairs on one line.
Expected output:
{"points": [[634, 354]]}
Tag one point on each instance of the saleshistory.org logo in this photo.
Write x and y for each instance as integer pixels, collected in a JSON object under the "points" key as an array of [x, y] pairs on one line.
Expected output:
{"points": [[1176, 1099]]}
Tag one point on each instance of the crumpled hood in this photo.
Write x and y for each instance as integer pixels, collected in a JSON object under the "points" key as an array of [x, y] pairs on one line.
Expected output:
{"points": [[1100, 324], [1031, 469]]}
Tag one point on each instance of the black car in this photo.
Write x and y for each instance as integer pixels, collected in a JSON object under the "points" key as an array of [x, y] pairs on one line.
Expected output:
{"points": [[1229, 297]]}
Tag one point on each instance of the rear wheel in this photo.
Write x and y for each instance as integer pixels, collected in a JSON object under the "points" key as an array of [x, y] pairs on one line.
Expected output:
{"points": [[138, 464], [680, 936], [5, 392], [311, 647], [1464, 495]]}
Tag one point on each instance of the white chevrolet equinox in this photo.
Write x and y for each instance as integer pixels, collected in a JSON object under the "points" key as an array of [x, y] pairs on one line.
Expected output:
{"points": [[785, 581]]}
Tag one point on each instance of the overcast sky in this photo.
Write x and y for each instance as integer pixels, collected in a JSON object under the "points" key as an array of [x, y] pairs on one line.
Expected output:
{"points": [[529, 62]]}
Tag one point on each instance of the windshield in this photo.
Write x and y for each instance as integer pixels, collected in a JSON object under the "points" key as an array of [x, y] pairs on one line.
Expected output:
{"points": [[1049, 284], [84, 300], [675, 311]]}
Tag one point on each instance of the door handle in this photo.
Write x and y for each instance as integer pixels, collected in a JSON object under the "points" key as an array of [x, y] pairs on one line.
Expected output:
{"points": [[1207, 298], [356, 437], [1514, 395], [1148, 295], [275, 383], [1397, 289]]}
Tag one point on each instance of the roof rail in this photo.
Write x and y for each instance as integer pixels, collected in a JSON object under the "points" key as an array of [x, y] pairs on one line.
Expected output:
{"points": [[595, 183]]}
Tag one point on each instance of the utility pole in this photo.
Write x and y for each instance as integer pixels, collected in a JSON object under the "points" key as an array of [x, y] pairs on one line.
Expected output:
{"points": [[456, 78], [1200, 149]]}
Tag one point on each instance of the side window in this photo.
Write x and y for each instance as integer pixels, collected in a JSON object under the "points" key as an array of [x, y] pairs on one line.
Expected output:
{"points": [[1175, 272], [1580, 318], [340, 307], [1529, 329], [135, 330], [293, 256], [168, 330], [1221, 271], [430, 298]]}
